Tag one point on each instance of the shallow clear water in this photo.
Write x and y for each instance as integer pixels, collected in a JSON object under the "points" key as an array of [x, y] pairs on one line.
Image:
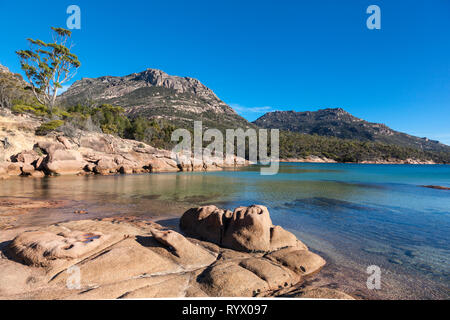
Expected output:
{"points": [[354, 215]]}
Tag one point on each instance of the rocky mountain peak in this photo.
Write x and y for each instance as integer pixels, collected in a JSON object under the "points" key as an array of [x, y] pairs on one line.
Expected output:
{"points": [[4, 69], [152, 93], [159, 78]]}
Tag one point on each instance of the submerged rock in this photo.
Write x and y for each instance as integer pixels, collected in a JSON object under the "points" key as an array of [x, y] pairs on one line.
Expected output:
{"points": [[437, 187]]}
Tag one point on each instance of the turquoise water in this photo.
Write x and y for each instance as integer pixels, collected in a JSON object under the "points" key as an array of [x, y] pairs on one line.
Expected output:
{"points": [[354, 215]]}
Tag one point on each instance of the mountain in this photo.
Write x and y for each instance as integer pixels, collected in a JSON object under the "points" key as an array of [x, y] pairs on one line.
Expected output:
{"points": [[156, 95], [3, 69], [13, 89], [341, 124]]}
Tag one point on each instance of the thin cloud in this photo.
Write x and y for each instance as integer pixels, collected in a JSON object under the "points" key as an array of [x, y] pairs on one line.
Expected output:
{"points": [[240, 108]]}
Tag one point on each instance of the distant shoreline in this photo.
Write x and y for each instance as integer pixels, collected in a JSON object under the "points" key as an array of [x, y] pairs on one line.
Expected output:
{"points": [[315, 159]]}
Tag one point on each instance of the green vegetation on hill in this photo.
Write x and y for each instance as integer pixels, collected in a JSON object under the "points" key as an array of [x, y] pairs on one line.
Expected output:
{"points": [[113, 120], [341, 124], [12, 90], [48, 127], [297, 145]]}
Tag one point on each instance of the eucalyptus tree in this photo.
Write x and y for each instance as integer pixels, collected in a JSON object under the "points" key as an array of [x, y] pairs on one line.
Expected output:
{"points": [[49, 65]]}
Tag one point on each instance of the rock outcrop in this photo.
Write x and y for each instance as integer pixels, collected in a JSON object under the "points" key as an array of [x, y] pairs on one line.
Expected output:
{"points": [[131, 258], [3, 69], [26, 154], [246, 229]]}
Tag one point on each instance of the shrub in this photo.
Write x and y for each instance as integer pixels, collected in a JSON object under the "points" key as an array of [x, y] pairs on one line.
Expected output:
{"points": [[48, 127], [36, 109]]}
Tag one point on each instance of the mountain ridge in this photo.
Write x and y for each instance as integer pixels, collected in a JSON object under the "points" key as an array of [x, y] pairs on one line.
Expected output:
{"points": [[153, 93], [336, 122]]}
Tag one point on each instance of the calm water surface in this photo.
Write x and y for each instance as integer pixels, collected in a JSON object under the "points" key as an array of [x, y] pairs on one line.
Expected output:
{"points": [[354, 215]]}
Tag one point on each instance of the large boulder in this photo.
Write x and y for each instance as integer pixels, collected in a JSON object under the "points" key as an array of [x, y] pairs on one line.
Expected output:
{"points": [[280, 238], [106, 166], [14, 168], [49, 147], [246, 229], [27, 157], [275, 275], [205, 223], [124, 169], [65, 162], [182, 251], [37, 174], [27, 169], [163, 165], [299, 260], [65, 142], [227, 279], [97, 143]]}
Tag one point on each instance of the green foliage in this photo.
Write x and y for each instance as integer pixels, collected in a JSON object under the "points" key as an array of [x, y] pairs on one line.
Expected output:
{"points": [[13, 91], [49, 65], [80, 109], [111, 119], [296, 145], [155, 133], [36, 109], [341, 124], [48, 127]]}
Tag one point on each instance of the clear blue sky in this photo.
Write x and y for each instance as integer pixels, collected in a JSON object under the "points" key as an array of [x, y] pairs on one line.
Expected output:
{"points": [[267, 55]]}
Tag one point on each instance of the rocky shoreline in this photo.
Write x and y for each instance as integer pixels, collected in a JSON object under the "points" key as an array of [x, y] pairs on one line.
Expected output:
{"points": [[219, 253], [316, 159], [23, 153]]}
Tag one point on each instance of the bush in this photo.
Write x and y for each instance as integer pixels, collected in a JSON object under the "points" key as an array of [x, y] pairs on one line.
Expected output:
{"points": [[36, 109], [48, 127]]}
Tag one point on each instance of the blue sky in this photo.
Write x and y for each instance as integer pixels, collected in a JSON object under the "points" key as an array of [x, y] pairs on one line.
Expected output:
{"points": [[261, 56]]}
